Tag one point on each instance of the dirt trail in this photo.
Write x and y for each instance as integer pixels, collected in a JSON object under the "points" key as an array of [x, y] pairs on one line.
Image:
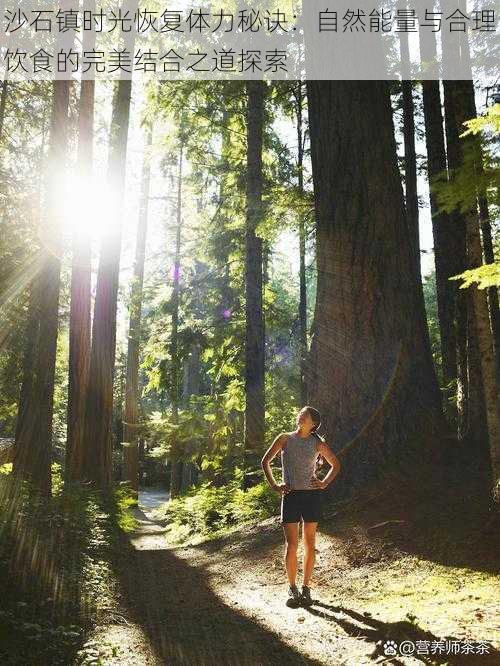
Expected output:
{"points": [[222, 602]]}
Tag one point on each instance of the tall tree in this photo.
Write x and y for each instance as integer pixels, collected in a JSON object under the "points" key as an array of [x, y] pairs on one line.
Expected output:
{"points": [[300, 96], [460, 264], [191, 387], [80, 308], [459, 106], [131, 413], [489, 258], [176, 462], [483, 407], [410, 154], [254, 332], [442, 225], [33, 448], [371, 359], [99, 407]]}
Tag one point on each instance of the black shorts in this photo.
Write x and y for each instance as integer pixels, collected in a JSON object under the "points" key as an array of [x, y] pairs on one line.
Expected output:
{"points": [[305, 504]]}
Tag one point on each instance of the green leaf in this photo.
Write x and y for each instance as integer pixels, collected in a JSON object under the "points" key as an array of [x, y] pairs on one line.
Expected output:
{"points": [[485, 276]]}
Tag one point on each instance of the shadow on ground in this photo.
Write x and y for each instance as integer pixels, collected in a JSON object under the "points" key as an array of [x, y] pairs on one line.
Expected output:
{"points": [[378, 632], [186, 623]]}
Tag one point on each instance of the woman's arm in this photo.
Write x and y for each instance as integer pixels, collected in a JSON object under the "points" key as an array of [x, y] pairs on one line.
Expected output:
{"points": [[325, 451], [268, 457]]}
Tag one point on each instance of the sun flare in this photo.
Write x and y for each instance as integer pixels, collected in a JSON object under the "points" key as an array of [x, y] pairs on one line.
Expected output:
{"points": [[87, 207]]}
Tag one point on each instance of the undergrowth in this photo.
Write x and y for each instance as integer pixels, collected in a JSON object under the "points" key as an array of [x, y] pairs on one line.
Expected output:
{"points": [[55, 569], [208, 511]]}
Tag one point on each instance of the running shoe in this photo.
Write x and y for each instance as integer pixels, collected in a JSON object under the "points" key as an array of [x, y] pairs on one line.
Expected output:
{"points": [[293, 600], [305, 596]]}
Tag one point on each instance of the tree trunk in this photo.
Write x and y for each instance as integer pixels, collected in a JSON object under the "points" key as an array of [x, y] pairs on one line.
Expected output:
{"points": [[483, 385], [487, 367], [27, 413], [489, 258], [451, 106], [34, 446], [131, 415], [410, 155], [302, 249], [222, 236], [460, 104], [98, 466], [28, 406], [254, 332], [176, 470], [3, 104], [191, 387], [444, 240], [80, 309], [372, 374]]}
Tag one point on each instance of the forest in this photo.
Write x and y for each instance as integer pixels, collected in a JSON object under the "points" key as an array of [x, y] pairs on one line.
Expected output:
{"points": [[186, 264]]}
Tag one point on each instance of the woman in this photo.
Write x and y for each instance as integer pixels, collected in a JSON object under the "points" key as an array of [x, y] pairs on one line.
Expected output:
{"points": [[301, 494]]}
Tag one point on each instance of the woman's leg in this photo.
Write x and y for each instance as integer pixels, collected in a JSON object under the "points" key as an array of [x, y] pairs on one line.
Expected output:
{"points": [[291, 546], [309, 546]]}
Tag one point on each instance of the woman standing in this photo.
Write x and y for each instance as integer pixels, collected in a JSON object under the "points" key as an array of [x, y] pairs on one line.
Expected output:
{"points": [[301, 494]]}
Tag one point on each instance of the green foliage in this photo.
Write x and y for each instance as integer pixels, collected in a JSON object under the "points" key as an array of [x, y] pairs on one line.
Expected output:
{"points": [[55, 567], [124, 501], [431, 308], [57, 479], [205, 429], [488, 122], [485, 276], [208, 510], [479, 169]]}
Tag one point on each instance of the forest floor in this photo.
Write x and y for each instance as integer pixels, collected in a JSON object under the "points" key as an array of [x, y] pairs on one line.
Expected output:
{"points": [[405, 577]]}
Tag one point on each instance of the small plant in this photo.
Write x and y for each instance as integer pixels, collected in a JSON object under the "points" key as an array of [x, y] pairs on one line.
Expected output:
{"points": [[208, 510]]}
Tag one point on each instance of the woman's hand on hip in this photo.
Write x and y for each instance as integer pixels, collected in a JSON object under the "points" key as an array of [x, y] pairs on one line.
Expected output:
{"points": [[317, 483], [282, 488]]}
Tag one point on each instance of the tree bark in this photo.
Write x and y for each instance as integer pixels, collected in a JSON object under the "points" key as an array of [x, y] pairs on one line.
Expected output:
{"points": [[177, 464], [80, 308], [98, 466], [254, 331], [34, 447], [302, 248], [221, 236], [27, 413], [482, 381], [410, 155], [444, 239], [191, 387], [131, 414], [486, 359], [489, 258], [451, 106], [372, 374]]}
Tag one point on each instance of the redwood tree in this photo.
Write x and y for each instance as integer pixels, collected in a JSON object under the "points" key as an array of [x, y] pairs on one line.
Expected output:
{"points": [[79, 322], [131, 413], [32, 456], [371, 363], [98, 465], [176, 462], [254, 332], [483, 415], [300, 95]]}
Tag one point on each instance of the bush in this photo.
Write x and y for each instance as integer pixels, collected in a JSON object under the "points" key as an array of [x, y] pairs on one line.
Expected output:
{"points": [[208, 510]]}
